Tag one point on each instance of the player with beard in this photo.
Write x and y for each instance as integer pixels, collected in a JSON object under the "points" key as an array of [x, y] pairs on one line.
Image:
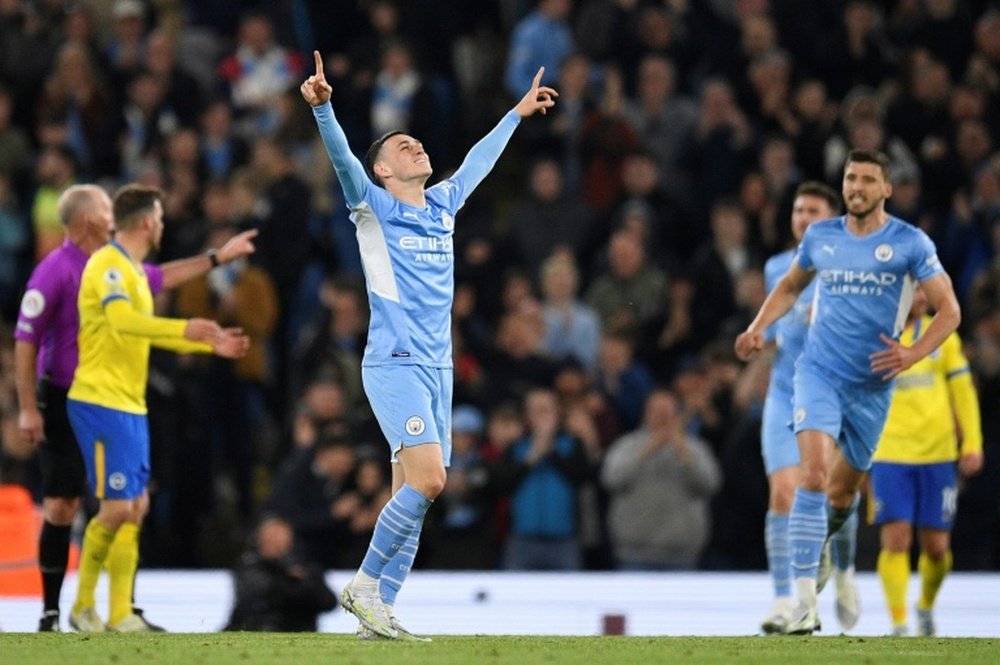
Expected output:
{"points": [[867, 263], [106, 402]]}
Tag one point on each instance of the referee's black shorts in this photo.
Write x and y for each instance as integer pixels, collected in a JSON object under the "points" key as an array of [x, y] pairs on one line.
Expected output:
{"points": [[63, 473]]}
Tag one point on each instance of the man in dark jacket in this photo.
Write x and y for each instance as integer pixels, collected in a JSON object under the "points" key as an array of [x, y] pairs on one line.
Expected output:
{"points": [[276, 590]]}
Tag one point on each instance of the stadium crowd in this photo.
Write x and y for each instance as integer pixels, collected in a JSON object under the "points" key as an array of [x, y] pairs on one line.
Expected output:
{"points": [[602, 419]]}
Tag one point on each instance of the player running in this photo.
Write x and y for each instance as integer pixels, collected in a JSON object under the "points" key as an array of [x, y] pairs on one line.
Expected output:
{"points": [[867, 264]]}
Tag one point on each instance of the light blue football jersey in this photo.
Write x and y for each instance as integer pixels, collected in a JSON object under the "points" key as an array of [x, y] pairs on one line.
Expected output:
{"points": [[788, 332], [408, 253], [864, 288]]}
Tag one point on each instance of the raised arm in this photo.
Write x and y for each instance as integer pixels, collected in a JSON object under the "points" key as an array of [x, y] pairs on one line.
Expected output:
{"points": [[179, 271], [483, 156], [350, 172]]}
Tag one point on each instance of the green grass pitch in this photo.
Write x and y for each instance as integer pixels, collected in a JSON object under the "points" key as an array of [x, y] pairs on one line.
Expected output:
{"points": [[331, 649]]}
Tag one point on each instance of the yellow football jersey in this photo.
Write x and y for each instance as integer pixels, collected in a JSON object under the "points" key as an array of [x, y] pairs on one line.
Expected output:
{"points": [[117, 327], [933, 402]]}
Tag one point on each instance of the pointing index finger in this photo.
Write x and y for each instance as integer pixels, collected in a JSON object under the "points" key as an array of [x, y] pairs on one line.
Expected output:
{"points": [[538, 77], [319, 63]]}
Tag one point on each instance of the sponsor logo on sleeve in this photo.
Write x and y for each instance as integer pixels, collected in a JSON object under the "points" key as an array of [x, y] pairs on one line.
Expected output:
{"points": [[32, 304], [113, 278]]}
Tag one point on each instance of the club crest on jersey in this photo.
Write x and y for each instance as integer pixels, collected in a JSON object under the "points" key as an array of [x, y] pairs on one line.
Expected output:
{"points": [[883, 252], [117, 481], [448, 221], [415, 426], [32, 304]]}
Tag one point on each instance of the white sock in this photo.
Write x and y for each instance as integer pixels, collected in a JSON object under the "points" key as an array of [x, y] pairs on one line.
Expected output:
{"points": [[805, 588], [364, 580]]}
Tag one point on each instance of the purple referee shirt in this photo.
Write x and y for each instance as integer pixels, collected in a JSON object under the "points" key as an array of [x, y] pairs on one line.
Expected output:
{"points": [[49, 316]]}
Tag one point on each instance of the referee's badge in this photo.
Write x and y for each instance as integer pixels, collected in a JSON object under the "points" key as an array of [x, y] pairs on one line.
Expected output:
{"points": [[32, 304], [415, 426]]}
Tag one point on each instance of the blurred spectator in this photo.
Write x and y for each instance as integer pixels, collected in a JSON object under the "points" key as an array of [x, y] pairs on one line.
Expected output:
{"points": [[236, 295], [605, 139], [781, 177], [549, 218], [662, 119], [55, 172], [672, 235], [815, 114], [515, 362], [666, 339], [144, 124], [15, 146], [623, 380], [540, 39], [605, 30], [360, 506], [718, 150], [464, 521], [74, 108], [332, 344], [15, 243], [944, 32], [661, 480], [400, 101], [313, 492], [541, 473], [366, 51], [126, 49], [856, 51], [258, 72], [221, 150], [183, 93], [275, 588], [283, 248], [572, 330], [629, 292], [715, 270], [567, 119], [770, 78]]}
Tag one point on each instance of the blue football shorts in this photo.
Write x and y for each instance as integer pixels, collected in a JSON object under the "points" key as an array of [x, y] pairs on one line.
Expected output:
{"points": [[115, 449], [924, 495], [852, 414], [412, 405], [777, 440]]}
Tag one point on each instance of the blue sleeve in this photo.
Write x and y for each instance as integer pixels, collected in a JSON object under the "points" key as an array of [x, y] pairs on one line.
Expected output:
{"points": [[349, 170], [480, 160], [772, 273], [924, 262], [803, 255]]}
